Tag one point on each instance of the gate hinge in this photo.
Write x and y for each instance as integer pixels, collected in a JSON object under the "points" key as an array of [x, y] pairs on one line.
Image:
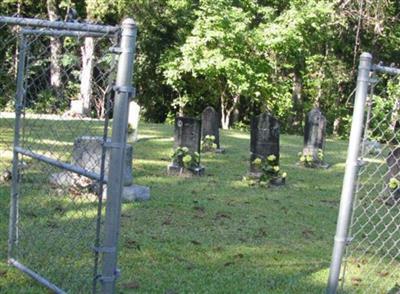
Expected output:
{"points": [[125, 89], [118, 50], [109, 279], [113, 145]]}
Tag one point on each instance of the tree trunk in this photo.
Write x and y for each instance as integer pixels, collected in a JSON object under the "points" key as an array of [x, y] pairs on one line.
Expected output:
{"points": [[227, 110], [87, 51], [225, 117], [55, 51], [357, 42], [336, 126], [297, 100]]}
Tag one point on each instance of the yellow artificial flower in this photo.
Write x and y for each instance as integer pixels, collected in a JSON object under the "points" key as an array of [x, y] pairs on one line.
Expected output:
{"points": [[257, 161]]}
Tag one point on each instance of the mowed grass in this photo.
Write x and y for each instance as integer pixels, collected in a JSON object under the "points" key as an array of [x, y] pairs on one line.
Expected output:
{"points": [[210, 234]]}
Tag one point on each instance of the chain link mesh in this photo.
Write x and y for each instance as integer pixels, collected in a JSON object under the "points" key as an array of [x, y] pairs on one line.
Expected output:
{"points": [[372, 259], [59, 211]]}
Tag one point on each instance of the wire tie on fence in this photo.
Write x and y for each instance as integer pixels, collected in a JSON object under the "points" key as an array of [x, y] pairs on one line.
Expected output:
{"points": [[104, 249], [346, 240]]}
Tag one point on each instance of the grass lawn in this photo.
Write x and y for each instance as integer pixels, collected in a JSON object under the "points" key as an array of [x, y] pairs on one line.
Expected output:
{"points": [[212, 234]]}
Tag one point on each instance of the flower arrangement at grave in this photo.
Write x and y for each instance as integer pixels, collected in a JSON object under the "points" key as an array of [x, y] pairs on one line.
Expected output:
{"points": [[182, 157], [308, 160], [394, 184], [208, 144], [271, 173]]}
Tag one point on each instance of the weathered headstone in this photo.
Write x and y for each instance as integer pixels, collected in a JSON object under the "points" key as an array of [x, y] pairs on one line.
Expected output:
{"points": [[210, 126], [187, 133], [393, 162], [86, 154], [314, 137], [133, 121], [264, 140], [77, 107]]}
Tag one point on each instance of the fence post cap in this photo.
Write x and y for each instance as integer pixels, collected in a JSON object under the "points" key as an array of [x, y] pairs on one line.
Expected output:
{"points": [[128, 22], [366, 55]]}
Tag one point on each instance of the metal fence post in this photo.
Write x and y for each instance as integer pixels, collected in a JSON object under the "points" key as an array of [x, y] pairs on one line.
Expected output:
{"points": [[13, 233], [123, 92], [350, 175]]}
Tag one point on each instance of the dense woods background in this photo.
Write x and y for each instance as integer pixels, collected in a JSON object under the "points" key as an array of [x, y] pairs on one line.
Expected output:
{"points": [[242, 57]]}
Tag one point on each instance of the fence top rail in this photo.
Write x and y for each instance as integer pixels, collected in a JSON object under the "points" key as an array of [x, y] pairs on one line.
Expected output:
{"points": [[60, 33], [60, 25], [386, 69]]}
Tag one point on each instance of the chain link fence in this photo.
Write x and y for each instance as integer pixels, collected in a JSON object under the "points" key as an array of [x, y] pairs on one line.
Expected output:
{"points": [[372, 244], [65, 95]]}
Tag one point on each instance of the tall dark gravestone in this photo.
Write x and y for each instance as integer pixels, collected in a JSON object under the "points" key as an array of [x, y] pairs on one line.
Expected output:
{"points": [[187, 134], [264, 140], [210, 126], [314, 138]]}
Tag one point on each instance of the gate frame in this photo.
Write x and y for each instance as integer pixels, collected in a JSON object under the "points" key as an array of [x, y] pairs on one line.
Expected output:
{"points": [[365, 78], [123, 93]]}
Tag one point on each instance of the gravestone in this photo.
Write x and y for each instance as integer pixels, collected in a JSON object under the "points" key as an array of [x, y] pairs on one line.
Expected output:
{"points": [[133, 121], [77, 107], [264, 140], [210, 126], [314, 137], [393, 162], [187, 133], [86, 154]]}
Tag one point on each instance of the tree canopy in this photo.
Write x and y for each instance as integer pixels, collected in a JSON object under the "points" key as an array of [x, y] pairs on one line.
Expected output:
{"points": [[245, 56]]}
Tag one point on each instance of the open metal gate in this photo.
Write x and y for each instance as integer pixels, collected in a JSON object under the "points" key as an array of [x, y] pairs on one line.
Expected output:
{"points": [[366, 254], [65, 165]]}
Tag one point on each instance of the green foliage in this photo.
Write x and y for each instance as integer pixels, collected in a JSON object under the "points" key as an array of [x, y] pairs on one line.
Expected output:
{"points": [[48, 102], [249, 56], [241, 126], [383, 125]]}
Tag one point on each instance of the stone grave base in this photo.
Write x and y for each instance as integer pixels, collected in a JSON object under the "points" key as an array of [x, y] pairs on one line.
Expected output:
{"points": [[321, 165], [279, 181], [220, 150], [175, 170], [130, 193], [393, 199], [254, 175]]}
